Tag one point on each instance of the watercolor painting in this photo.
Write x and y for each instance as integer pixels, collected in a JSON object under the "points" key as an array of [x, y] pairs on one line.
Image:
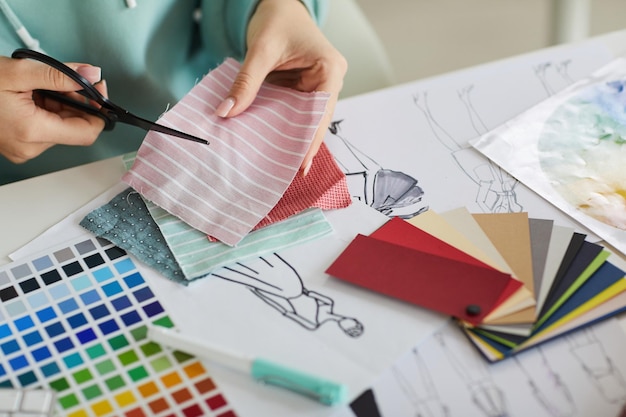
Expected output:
{"points": [[582, 152]]}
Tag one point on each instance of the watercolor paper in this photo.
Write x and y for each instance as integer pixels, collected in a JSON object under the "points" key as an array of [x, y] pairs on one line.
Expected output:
{"points": [[571, 148]]}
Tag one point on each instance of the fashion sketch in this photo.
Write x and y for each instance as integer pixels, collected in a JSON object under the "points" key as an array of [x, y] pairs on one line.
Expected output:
{"points": [[546, 385], [545, 72], [273, 280], [418, 387], [486, 395], [495, 189], [393, 193], [606, 378]]}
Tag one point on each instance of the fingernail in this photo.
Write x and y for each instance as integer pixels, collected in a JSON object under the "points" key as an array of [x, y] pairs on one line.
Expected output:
{"points": [[224, 107], [91, 73], [307, 168]]}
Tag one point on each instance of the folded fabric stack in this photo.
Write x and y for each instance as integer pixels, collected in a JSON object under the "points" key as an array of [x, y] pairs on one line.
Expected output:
{"points": [[511, 281], [193, 208]]}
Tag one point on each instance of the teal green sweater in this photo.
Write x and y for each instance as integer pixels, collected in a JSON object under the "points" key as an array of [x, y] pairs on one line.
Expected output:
{"points": [[150, 55]]}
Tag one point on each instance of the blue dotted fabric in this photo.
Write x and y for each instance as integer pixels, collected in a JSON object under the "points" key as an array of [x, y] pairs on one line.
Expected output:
{"points": [[126, 222]]}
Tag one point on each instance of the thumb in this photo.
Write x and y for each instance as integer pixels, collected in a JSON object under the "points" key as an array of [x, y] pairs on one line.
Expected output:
{"points": [[245, 86], [29, 75]]}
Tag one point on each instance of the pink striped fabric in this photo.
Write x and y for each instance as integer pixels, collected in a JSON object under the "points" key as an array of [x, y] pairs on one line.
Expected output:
{"points": [[324, 187], [226, 188]]}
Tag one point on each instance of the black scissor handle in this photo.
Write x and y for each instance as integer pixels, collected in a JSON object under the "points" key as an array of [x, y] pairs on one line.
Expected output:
{"points": [[108, 117], [109, 111]]}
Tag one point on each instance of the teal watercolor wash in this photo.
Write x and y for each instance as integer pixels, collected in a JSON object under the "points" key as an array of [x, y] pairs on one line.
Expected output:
{"points": [[582, 151]]}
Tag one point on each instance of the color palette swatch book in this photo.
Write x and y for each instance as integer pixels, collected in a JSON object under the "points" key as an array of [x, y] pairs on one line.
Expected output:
{"points": [[74, 320], [511, 281]]}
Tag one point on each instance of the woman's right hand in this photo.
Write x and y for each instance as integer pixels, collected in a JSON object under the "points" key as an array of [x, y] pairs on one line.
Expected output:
{"points": [[28, 124]]}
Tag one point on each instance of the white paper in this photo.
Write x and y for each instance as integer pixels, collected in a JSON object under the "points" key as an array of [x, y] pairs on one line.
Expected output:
{"points": [[232, 314], [581, 374], [422, 129]]}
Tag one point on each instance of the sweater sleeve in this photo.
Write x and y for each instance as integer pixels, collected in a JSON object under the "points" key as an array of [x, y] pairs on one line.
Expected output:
{"points": [[224, 24]]}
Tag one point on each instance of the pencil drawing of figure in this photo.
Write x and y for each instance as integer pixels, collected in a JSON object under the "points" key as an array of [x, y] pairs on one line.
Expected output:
{"points": [[393, 193], [496, 188], [597, 365], [543, 71], [546, 385], [417, 385], [563, 69], [485, 394], [477, 123], [278, 284]]}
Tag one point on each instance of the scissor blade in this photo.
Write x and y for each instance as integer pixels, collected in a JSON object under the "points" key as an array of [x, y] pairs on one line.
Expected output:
{"points": [[131, 119]]}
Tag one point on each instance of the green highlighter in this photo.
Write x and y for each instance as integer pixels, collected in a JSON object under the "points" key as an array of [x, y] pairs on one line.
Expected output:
{"points": [[325, 391]]}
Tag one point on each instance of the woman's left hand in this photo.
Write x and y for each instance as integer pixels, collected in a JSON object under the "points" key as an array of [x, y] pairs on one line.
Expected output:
{"points": [[286, 47]]}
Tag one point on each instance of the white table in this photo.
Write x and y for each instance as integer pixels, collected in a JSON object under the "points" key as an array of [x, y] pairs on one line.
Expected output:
{"points": [[31, 206]]}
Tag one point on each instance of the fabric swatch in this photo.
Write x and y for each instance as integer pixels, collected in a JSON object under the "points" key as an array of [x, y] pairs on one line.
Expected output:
{"points": [[324, 187], [182, 253], [197, 255], [226, 188], [126, 222]]}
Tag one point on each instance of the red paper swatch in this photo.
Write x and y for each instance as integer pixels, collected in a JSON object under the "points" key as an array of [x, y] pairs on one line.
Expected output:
{"points": [[461, 289], [401, 232]]}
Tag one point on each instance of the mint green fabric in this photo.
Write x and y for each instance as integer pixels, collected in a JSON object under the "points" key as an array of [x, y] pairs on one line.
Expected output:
{"points": [[150, 56], [196, 255]]}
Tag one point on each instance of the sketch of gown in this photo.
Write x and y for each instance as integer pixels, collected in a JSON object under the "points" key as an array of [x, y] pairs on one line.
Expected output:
{"points": [[393, 193], [278, 284]]}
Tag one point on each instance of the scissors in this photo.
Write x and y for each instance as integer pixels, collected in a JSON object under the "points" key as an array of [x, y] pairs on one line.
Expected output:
{"points": [[110, 112]]}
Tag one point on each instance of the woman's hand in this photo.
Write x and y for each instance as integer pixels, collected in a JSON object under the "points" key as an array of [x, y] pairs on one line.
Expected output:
{"points": [[29, 124], [286, 47]]}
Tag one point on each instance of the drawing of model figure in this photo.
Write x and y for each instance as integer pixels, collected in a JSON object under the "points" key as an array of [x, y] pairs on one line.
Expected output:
{"points": [[418, 387], [489, 399], [393, 193], [543, 73], [496, 188], [546, 384], [598, 366], [278, 284]]}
